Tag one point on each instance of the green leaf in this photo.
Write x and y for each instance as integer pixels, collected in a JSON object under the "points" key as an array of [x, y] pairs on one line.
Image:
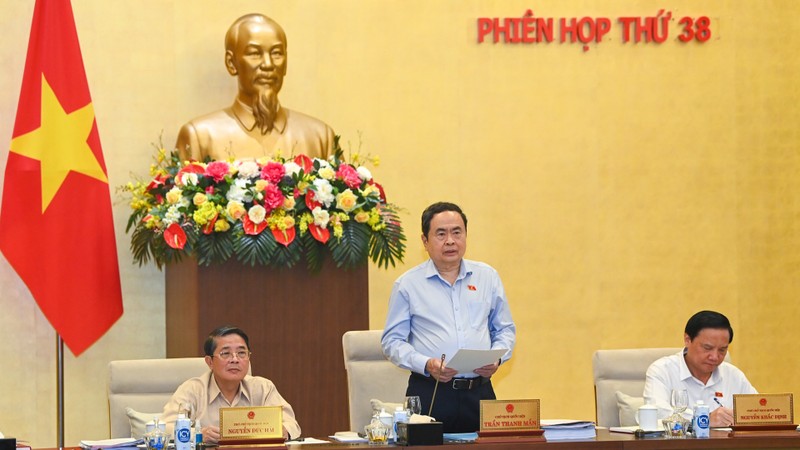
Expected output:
{"points": [[314, 252], [258, 249], [388, 245], [215, 247], [353, 247]]}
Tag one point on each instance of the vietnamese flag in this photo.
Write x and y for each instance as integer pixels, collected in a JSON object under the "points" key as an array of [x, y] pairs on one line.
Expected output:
{"points": [[56, 227]]}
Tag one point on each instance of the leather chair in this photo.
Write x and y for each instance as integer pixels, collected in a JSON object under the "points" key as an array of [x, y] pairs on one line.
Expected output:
{"points": [[145, 385], [370, 376], [621, 370]]}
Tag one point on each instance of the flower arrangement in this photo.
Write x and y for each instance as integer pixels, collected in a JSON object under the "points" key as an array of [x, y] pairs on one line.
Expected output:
{"points": [[270, 211]]}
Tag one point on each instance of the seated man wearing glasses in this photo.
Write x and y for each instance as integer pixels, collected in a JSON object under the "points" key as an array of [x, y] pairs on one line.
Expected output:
{"points": [[227, 384]]}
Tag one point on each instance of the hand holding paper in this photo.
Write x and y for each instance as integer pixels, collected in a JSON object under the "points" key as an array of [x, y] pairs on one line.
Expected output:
{"points": [[466, 360]]}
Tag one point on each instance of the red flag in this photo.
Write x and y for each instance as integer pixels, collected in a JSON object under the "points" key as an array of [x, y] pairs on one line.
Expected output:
{"points": [[56, 227]]}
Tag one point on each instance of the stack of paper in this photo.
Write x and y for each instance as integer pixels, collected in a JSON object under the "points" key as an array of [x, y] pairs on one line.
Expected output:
{"points": [[348, 437], [112, 443], [562, 430]]}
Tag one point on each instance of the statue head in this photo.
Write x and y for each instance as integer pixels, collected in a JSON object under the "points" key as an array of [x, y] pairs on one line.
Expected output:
{"points": [[255, 53]]}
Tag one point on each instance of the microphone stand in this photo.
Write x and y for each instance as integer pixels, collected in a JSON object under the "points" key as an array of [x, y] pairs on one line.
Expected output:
{"points": [[433, 397]]}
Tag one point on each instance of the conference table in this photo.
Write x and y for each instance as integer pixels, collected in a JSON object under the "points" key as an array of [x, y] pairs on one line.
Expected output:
{"points": [[605, 440]]}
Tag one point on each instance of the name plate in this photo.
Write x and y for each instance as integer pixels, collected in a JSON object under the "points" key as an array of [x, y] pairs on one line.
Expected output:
{"points": [[763, 409], [250, 423], [509, 415]]}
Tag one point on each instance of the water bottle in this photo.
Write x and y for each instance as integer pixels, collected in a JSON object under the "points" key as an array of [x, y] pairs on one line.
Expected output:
{"points": [[183, 433], [198, 435], [400, 416], [701, 420]]}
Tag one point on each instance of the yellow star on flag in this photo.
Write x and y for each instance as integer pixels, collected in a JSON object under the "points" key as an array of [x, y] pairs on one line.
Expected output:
{"points": [[60, 144]]}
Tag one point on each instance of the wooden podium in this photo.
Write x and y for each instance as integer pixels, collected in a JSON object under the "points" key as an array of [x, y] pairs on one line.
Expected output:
{"points": [[295, 320]]}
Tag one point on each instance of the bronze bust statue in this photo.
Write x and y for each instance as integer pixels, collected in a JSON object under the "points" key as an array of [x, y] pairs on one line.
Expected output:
{"points": [[256, 124]]}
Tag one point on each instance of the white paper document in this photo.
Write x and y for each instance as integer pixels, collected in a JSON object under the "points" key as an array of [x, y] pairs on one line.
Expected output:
{"points": [[465, 360]]}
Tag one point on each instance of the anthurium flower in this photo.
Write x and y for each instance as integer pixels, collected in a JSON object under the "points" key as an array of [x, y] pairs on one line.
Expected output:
{"points": [[284, 237], [311, 200], [380, 189], [251, 227], [157, 181], [183, 176], [209, 227], [304, 162], [175, 237], [320, 234]]}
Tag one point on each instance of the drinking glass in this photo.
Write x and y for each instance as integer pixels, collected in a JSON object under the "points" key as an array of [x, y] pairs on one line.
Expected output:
{"points": [[413, 405], [679, 400]]}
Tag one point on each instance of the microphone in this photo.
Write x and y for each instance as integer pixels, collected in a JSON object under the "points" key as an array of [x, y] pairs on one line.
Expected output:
{"points": [[433, 397]]}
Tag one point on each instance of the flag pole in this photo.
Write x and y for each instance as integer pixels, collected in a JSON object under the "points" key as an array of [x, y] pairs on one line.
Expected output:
{"points": [[60, 390]]}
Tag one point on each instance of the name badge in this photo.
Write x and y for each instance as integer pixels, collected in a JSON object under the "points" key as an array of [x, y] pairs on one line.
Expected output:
{"points": [[763, 409], [509, 416], [250, 423]]}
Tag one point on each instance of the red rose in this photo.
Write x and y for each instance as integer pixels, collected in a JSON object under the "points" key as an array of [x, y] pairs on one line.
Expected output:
{"points": [[217, 170], [273, 172]]}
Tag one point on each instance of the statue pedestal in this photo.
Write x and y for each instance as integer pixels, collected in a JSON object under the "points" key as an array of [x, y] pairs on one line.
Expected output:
{"points": [[295, 320]]}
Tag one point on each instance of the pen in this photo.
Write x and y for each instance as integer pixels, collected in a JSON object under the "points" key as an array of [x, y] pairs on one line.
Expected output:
{"points": [[716, 400]]}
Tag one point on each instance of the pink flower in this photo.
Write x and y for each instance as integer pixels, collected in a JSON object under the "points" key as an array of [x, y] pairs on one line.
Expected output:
{"points": [[273, 197], [273, 172], [349, 175], [217, 170]]}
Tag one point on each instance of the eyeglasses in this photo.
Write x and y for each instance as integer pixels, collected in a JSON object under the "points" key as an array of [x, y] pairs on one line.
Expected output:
{"points": [[228, 355]]}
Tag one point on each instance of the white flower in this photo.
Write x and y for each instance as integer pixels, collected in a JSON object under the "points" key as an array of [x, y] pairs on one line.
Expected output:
{"points": [[257, 214], [238, 191], [321, 217], [247, 169], [172, 215], [189, 179], [322, 163], [323, 192], [364, 173], [292, 168]]}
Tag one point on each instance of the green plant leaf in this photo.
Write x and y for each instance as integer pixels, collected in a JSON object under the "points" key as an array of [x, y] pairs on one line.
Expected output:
{"points": [[353, 247]]}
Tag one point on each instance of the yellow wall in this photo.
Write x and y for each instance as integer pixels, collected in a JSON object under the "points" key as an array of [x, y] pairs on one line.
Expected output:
{"points": [[617, 190]]}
